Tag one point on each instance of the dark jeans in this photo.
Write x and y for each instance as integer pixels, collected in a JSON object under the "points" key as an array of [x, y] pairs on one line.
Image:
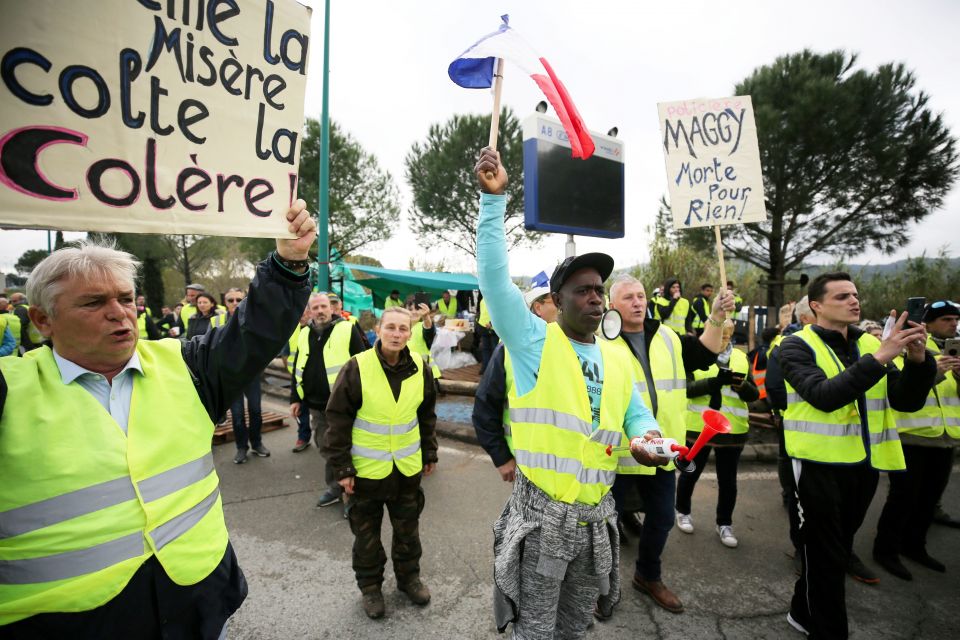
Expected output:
{"points": [[241, 434], [303, 423], [488, 342], [788, 488], [319, 419], [657, 492], [726, 460], [833, 500], [913, 497]]}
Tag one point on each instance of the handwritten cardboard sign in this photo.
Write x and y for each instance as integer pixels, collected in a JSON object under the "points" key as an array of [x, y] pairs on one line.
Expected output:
{"points": [[713, 162], [152, 116]]}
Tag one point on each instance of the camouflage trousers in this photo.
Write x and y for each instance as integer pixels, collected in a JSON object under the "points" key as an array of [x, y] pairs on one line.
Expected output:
{"points": [[404, 501]]}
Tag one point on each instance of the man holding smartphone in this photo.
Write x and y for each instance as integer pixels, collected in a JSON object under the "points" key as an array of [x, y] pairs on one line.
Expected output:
{"points": [[841, 386], [928, 438]]}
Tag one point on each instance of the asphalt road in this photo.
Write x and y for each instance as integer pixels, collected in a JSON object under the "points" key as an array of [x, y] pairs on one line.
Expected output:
{"points": [[297, 561]]}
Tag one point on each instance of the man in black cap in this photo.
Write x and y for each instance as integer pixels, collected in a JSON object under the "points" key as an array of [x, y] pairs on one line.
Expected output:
{"points": [[571, 400]]}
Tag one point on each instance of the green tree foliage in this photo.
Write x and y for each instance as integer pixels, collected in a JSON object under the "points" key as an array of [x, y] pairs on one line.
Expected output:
{"points": [[933, 278], [439, 171], [852, 159], [29, 259], [364, 200]]}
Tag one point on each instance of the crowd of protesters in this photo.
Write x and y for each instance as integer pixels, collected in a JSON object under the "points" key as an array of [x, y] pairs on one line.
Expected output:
{"points": [[565, 412]]}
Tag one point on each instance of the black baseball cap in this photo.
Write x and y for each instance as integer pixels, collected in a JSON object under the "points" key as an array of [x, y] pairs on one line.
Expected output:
{"points": [[599, 261]]}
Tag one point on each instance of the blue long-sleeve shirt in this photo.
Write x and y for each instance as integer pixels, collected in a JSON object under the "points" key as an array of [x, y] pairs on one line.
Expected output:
{"points": [[523, 333], [9, 342]]}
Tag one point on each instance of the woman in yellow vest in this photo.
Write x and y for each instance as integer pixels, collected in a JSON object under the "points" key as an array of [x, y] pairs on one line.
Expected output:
{"points": [[671, 308], [120, 532], [380, 442], [727, 387]]}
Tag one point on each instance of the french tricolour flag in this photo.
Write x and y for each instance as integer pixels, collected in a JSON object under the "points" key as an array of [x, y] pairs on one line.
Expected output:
{"points": [[474, 69]]}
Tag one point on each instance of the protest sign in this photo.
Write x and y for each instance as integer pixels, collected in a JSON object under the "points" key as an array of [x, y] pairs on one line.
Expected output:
{"points": [[152, 116], [713, 162]]}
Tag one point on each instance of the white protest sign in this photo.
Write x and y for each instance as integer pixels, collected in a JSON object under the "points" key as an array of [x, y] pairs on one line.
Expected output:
{"points": [[713, 162], [152, 116]]}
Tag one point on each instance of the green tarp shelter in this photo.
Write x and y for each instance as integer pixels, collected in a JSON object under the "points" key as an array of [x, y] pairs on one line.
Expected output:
{"points": [[382, 281]]}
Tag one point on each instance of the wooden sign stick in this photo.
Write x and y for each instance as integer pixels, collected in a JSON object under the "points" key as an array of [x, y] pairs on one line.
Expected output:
{"points": [[723, 268], [495, 116]]}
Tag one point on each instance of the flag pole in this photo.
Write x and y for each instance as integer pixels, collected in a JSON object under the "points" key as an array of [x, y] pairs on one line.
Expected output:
{"points": [[723, 268], [495, 116]]}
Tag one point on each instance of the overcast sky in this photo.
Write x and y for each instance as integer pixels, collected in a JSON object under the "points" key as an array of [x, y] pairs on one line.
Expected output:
{"points": [[388, 84]]}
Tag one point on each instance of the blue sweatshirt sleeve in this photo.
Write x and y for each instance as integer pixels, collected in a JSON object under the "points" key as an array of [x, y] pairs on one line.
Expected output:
{"points": [[9, 342], [639, 419], [522, 332]]}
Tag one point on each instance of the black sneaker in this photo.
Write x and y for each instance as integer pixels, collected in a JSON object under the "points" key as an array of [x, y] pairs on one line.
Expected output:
{"points": [[241, 456], [260, 450], [920, 556], [892, 564]]}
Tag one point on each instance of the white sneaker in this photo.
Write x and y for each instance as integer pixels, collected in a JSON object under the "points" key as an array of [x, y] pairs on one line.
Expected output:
{"points": [[796, 625], [726, 536], [684, 522]]}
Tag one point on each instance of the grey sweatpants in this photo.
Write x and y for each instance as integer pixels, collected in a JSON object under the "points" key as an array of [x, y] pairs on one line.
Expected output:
{"points": [[551, 608]]}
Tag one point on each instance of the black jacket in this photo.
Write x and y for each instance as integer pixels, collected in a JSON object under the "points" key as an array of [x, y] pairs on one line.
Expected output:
{"points": [[906, 390], [316, 388]]}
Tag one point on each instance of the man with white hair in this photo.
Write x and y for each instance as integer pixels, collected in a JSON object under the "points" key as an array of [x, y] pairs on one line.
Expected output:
{"points": [[111, 521], [491, 415]]}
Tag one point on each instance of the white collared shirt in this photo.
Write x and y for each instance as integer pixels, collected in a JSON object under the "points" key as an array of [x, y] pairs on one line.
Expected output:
{"points": [[115, 398]]}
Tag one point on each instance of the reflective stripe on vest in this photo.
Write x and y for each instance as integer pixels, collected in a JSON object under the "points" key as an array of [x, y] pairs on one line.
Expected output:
{"points": [[386, 432], [837, 437], [670, 382], [556, 452], [71, 535]]}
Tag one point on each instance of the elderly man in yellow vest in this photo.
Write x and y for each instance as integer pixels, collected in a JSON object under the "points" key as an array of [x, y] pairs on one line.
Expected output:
{"points": [[839, 431], [661, 361], [929, 436], [322, 350], [556, 548], [380, 442], [111, 521]]}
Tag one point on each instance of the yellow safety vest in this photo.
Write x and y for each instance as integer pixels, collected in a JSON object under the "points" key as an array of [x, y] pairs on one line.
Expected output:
{"points": [[386, 431], [774, 344], [670, 380], [940, 412], [697, 323], [187, 311], [678, 317], [336, 352], [418, 344], [219, 319], [390, 303], [448, 310], [292, 345], [508, 382], [15, 327], [484, 315], [836, 437], [142, 326], [731, 405], [554, 442], [32, 332], [82, 506]]}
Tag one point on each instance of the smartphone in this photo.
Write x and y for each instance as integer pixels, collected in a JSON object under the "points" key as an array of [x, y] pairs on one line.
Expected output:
{"points": [[421, 297], [915, 309], [951, 347]]}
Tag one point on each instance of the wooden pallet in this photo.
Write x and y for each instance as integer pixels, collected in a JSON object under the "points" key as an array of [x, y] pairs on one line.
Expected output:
{"points": [[271, 422], [463, 374]]}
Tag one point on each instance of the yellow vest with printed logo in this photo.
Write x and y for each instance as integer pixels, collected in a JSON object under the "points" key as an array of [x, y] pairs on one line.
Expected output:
{"points": [[386, 431], [678, 317], [836, 437], [336, 352], [670, 380], [417, 344], [554, 442], [731, 406], [83, 505], [940, 412]]}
